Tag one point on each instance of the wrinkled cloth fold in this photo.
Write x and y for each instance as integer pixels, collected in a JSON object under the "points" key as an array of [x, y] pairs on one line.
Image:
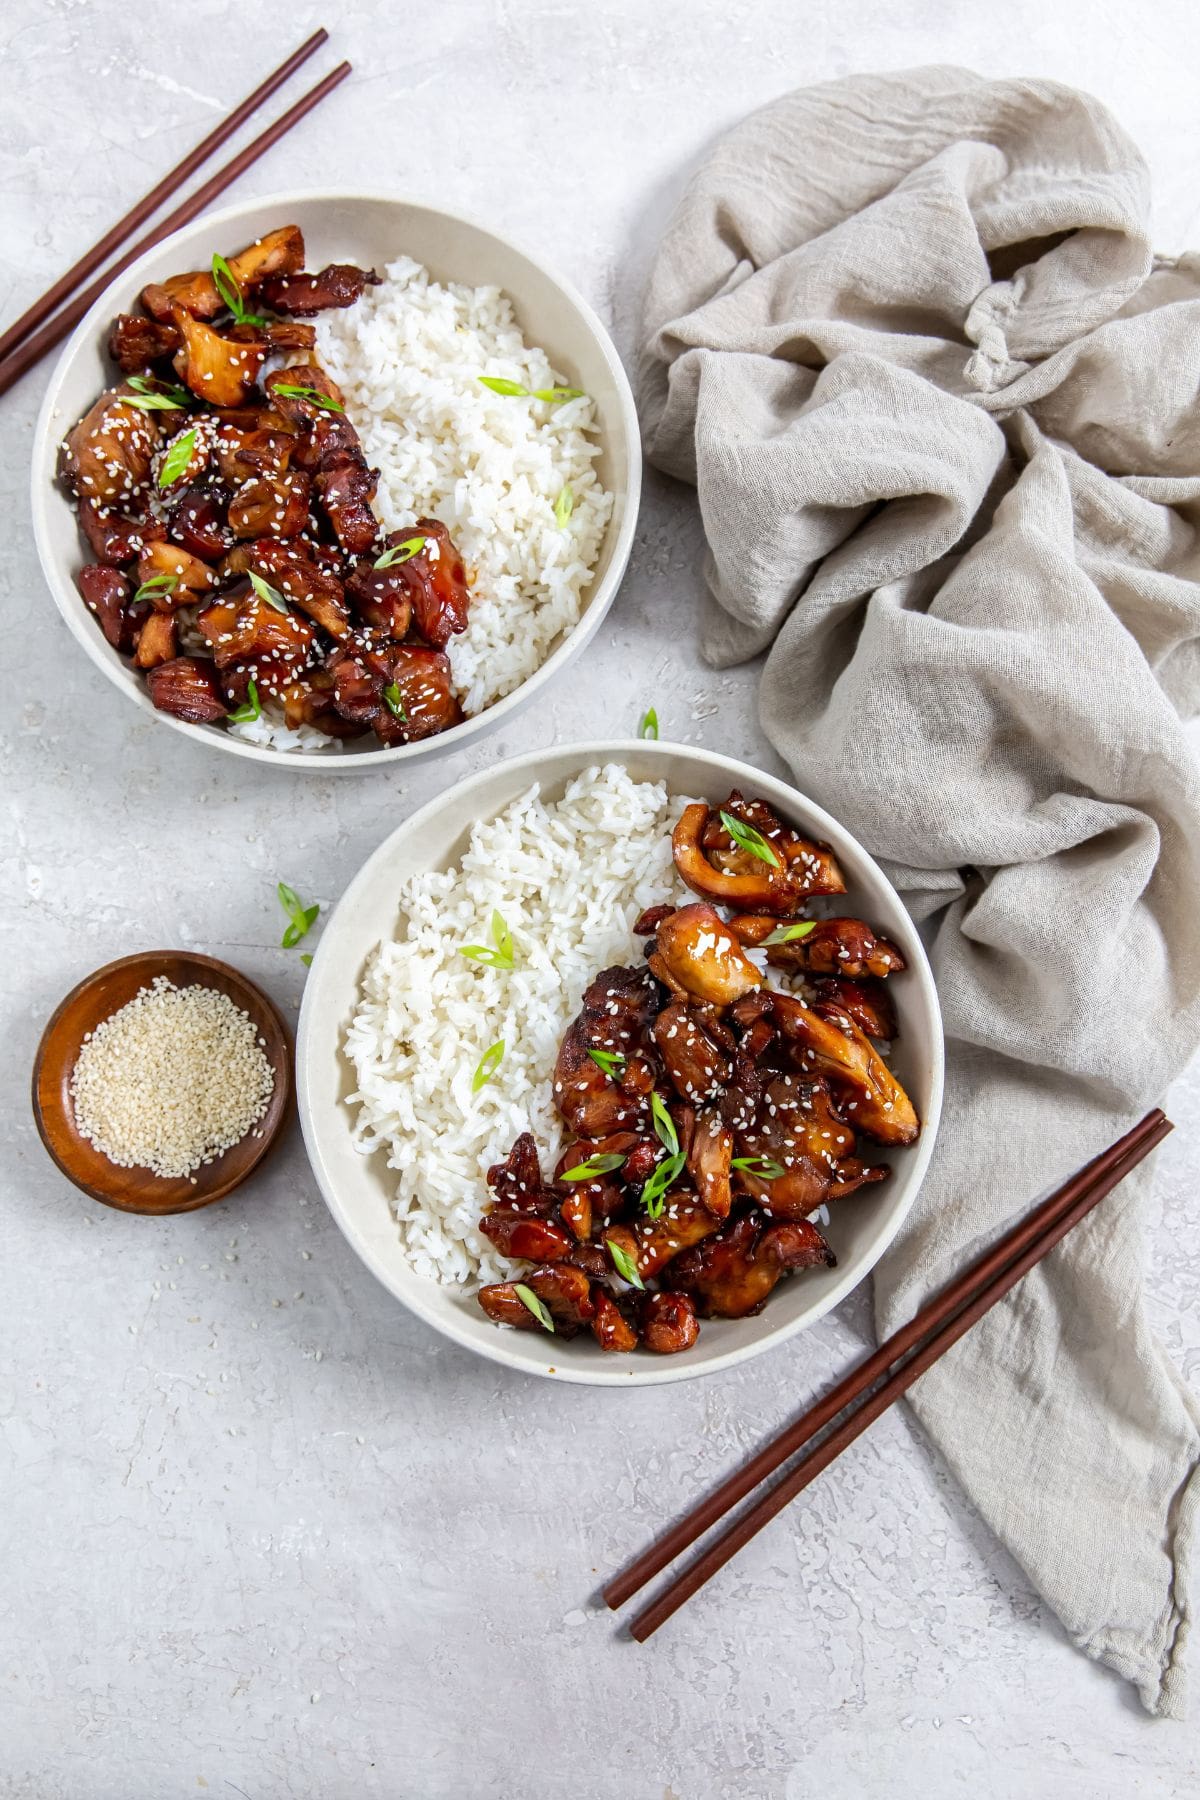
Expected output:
{"points": [[907, 337]]}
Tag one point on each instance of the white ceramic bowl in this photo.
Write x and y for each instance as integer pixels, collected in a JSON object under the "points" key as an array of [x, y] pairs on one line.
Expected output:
{"points": [[370, 229], [355, 1186]]}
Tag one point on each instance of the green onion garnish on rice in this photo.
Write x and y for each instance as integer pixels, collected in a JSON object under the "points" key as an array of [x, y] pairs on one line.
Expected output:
{"points": [[499, 953], [487, 1065]]}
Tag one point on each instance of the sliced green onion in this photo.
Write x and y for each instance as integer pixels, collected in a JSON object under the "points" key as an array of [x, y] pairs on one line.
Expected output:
{"points": [[150, 384], [499, 385], [790, 934], [149, 402], [564, 506], [400, 553], [499, 953], [306, 959], [266, 592], [177, 458], [487, 1065], [529, 1299], [158, 585], [664, 1125], [611, 1061], [152, 395], [624, 1264], [250, 710], [557, 394], [748, 839], [227, 286], [595, 1165], [764, 1166], [655, 1190], [395, 704], [311, 394], [648, 724], [302, 917]]}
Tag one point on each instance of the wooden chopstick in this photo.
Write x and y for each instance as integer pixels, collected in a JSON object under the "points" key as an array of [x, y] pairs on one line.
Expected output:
{"points": [[149, 203], [928, 1318], [938, 1325], [35, 347]]}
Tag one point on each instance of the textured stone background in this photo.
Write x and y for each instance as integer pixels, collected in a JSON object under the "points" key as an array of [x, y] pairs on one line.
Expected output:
{"points": [[261, 1533]]}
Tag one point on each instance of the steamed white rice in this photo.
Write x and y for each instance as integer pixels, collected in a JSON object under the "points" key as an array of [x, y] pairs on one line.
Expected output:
{"points": [[570, 878], [408, 357]]}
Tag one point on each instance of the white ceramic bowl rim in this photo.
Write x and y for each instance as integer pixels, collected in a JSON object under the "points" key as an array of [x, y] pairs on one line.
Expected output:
{"points": [[597, 600], [418, 1295]]}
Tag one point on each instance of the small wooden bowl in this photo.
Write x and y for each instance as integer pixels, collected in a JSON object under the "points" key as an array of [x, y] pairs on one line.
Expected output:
{"points": [[96, 999]]}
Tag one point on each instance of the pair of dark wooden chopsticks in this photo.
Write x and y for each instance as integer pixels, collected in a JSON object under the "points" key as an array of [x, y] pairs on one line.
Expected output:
{"points": [[62, 306], [899, 1361]]}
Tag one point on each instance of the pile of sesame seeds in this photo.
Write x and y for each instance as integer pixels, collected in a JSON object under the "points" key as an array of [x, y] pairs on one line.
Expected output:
{"points": [[172, 1080]]}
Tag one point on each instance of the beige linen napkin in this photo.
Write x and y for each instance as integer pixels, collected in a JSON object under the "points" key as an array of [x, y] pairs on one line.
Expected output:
{"points": [[906, 336]]}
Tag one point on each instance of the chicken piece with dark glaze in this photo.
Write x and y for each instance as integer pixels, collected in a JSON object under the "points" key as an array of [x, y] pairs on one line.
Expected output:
{"points": [[710, 1163], [251, 638], [249, 442], [113, 537], [277, 253], [829, 947], [697, 1065], [107, 457], [732, 1274], [290, 393], [617, 1009], [380, 597], [271, 506], [867, 1002], [187, 688], [684, 1221], [219, 367], [308, 699], [827, 1043], [564, 1291], [136, 344], [786, 871], [695, 954], [668, 1323], [434, 581], [106, 593], [527, 1239], [179, 578], [612, 1329], [290, 568], [343, 483], [517, 1181], [155, 641], [345, 488], [798, 1153], [301, 295], [198, 523], [402, 691]]}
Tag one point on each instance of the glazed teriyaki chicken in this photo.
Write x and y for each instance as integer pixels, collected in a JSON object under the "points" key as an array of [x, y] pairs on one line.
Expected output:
{"points": [[711, 1112], [226, 500]]}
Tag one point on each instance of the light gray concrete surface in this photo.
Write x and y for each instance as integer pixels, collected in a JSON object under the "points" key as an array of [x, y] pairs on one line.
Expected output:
{"points": [[262, 1534]]}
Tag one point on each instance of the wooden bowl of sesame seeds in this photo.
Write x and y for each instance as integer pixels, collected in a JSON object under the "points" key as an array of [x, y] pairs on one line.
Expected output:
{"points": [[188, 1065]]}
